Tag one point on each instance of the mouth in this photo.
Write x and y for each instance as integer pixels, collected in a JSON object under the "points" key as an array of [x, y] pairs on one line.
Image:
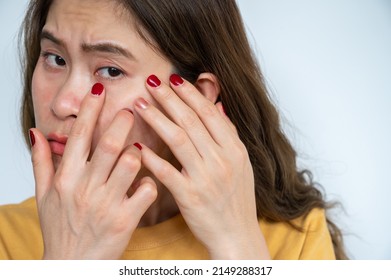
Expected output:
{"points": [[57, 143]]}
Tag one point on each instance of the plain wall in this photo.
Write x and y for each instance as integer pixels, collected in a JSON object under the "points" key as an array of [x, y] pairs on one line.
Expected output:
{"points": [[327, 65]]}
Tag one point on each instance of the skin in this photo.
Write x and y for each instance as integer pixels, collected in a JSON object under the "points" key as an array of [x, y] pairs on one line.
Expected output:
{"points": [[93, 195]]}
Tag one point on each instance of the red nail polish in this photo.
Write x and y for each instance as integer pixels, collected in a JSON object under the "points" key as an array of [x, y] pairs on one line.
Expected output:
{"points": [[97, 89], [138, 146], [176, 80], [225, 112], [141, 103], [32, 138], [153, 81]]}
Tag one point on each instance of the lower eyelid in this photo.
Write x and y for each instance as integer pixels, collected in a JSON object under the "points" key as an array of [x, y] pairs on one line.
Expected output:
{"points": [[45, 57], [121, 73]]}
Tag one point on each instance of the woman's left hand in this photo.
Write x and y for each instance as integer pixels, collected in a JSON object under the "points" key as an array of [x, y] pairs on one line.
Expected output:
{"points": [[215, 188]]}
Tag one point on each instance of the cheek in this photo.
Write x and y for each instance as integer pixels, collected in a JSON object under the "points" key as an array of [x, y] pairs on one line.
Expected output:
{"points": [[42, 94], [142, 132]]}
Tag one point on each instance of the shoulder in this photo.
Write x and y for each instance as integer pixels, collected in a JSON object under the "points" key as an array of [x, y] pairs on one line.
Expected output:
{"points": [[25, 207], [18, 216], [313, 221], [318, 243], [25, 203], [20, 234], [311, 241]]}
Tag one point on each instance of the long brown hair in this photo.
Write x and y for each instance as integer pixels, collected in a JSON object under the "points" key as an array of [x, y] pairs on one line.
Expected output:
{"points": [[209, 36]]}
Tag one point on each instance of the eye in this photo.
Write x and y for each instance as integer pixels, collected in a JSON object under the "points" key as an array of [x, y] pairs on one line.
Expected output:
{"points": [[54, 60], [111, 73]]}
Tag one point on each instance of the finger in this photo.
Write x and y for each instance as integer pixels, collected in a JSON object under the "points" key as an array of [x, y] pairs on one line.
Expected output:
{"points": [[43, 168], [110, 147], [223, 113], [171, 178], [205, 109], [125, 171], [182, 115], [143, 198], [78, 145], [175, 137]]}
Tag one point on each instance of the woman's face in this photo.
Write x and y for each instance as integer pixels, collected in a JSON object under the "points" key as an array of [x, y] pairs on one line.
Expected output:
{"points": [[85, 42]]}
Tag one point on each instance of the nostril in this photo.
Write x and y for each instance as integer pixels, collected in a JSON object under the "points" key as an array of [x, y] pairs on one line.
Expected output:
{"points": [[67, 100]]}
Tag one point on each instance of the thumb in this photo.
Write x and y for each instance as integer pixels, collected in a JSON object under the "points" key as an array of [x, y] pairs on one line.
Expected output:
{"points": [[41, 158]]}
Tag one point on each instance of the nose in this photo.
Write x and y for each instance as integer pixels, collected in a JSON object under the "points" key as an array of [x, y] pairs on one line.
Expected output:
{"points": [[69, 96]]}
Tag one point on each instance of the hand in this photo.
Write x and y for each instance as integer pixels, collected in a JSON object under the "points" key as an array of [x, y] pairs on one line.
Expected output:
{"points": [[215, 188], [84, 209]]}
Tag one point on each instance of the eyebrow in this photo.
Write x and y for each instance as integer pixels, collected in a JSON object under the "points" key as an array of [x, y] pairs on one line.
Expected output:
{"points": [[106, 47], [49, 36]]}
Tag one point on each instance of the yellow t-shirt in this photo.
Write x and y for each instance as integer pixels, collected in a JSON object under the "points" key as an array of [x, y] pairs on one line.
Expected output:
{"points": [[20, 237]]}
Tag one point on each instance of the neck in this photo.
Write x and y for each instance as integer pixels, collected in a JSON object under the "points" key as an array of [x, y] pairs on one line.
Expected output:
{"points": [[161, 210]]}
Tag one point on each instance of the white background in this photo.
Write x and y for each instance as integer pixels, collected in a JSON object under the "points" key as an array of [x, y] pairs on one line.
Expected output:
{"points": [[328, 67]]}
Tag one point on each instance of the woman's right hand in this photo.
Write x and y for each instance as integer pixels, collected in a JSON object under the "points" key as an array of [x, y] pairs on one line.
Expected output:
{"points": [[83, 206]]}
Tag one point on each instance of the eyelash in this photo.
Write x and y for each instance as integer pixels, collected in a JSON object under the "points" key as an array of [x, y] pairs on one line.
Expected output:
{"points": [[48, 55], [55, 65], [111, 78]]}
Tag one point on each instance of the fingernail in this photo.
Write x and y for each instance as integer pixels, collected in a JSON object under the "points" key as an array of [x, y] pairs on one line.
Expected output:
{"points": [[97, 89], [138, 146], [32, 138], [176, 80], [141, 103], [153, 81], [225, 112]]}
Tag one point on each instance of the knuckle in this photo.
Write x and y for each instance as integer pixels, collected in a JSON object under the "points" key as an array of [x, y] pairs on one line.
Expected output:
{"points": [[165, 94], [209, 110], [131, 161], [188, 120], [179, 138], [110, 145], [150, 192], [163, 172], [60, 183]]}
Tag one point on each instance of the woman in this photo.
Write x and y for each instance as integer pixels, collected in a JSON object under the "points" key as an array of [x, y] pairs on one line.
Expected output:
{"points": [[134, 155]]}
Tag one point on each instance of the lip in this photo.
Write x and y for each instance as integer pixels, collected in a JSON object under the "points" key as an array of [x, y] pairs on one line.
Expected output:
{"points": [[57, 143]]}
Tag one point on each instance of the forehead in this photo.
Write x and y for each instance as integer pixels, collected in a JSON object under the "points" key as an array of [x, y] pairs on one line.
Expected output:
{"points": [[78, 23], [89, 10], [70, 18], [97, 26]]}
